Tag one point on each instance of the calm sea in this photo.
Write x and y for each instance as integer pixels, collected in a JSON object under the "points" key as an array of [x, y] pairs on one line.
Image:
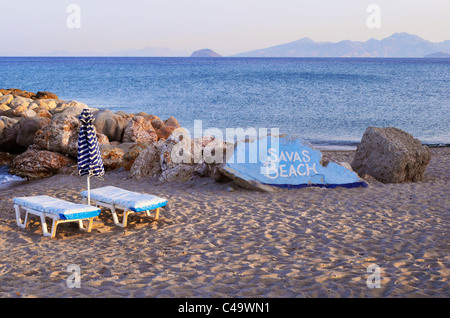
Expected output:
{"points": [[327, 101]]}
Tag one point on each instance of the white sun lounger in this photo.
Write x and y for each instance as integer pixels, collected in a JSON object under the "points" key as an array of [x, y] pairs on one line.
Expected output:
{"points": [[115, 198], [59, 210]]}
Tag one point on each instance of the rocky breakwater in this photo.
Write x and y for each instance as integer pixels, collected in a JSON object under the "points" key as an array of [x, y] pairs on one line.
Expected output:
{"points": [[39, 134]]}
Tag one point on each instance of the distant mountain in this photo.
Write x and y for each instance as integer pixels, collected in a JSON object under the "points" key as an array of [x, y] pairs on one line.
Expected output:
{"points": [[438, 55], [205, 53], [396, 45]]}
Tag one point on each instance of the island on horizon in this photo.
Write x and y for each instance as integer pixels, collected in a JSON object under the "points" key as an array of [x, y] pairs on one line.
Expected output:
{"points": [[205, 53]]}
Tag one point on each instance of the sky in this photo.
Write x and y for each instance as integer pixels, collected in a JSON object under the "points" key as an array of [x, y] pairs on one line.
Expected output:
{"points": [[100, 27]]}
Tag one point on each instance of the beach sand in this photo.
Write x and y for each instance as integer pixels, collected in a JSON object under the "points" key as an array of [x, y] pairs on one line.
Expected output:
{"points": [[212, 242]]}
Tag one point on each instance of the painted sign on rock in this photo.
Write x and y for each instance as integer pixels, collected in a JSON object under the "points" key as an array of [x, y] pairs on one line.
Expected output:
{"points": [[286, 162]]}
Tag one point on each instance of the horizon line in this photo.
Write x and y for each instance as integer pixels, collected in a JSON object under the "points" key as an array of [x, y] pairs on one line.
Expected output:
{"points": [[233, 55]]}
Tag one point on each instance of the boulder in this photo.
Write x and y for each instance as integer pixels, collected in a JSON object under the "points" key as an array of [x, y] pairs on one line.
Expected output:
{"points": [[110, 124], [391, 155], [45, 103], [42, 113], [148, 162], [20, 101], [162, 131], [139, 130], [183, 158], [71, 108], [46, 95], [179, 149], [60, 135], [172, 122], [6, 158], [6, 122], [102, 139], [130, 157], [9, 137], [19, 110], [6, 99], [180, 172], [27, 128], [179, 158], [17, 92], [4, 107], [213, 150], [36, 164], [112, 155]]}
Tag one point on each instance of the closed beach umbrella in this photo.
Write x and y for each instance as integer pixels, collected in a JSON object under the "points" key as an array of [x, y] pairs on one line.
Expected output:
{"points": [[89, 158]]}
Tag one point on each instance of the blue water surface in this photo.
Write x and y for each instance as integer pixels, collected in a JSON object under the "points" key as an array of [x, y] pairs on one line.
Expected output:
{"points": [[326, 101]]}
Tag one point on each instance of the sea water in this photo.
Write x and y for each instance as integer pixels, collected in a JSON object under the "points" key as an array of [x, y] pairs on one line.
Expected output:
{"points": [[326, 101], [6, 178]]}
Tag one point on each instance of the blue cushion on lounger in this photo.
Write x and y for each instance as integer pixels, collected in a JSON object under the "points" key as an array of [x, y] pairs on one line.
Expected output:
{"points": [[64, 209], [133, 201]]}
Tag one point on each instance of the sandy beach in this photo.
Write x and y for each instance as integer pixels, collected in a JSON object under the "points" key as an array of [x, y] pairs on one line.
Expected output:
{"points": [[213, 242]]}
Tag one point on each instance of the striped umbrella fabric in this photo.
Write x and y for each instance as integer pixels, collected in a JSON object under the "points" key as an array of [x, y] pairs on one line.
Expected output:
{"points": [[90, 161], [89, 157]]}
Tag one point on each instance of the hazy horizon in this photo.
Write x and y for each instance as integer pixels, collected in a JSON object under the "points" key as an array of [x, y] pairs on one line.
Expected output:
{"points": [[229, 27]]}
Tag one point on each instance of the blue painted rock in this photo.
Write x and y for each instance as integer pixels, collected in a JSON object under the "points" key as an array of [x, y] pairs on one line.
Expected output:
{"points": [[273, 162]]}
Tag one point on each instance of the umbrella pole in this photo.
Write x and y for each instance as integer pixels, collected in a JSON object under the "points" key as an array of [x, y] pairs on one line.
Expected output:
{"points": [[89, 189]]}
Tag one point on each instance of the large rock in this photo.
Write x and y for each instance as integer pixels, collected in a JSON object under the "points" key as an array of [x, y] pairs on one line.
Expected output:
{"points": [[6, 99], [162, 131], [46, 95], [166, 159], [172, 123], [139, 129], [36, 164], [148, 162], [165, 128], [4, 107], [6, 122], [17, 92], [70, 108], [179, 158], [61, 135], [130, 157], [27, 130], [6, 158], [9, 137], [44, 103], [180, 172], [110, 124], [20, 101], [112, 155], [391, 155], [179, 149]]}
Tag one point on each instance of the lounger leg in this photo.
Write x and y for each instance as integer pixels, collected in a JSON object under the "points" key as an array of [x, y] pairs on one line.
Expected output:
{"points": [[54, 225], [21, 224], [125, 218], [157, 214], [114, 215], [44, 226], [91, 221], [89, 227]]}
